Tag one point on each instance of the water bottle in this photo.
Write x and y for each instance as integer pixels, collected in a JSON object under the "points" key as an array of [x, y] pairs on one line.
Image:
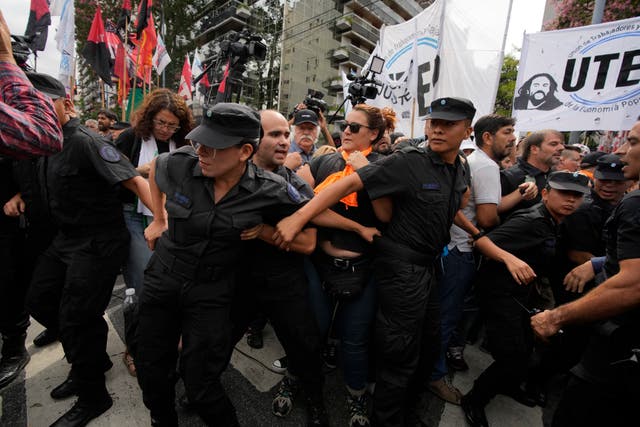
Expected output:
{"points": [[130, 312], [130, 300]]}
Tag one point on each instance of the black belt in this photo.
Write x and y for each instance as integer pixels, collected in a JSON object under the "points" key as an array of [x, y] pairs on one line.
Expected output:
{"points": [[185, 269], [397, 250], [343, 263]]}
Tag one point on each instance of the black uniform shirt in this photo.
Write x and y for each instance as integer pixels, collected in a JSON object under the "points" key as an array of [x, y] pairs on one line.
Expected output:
{"points": [[426, 195], [511, 178], [81, 181], [584, 229], [623, 233], [208, 232], [531, 235], [321, 168]]}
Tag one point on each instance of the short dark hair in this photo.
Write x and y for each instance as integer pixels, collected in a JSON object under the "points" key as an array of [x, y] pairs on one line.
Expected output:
{"points": [[110, 114], [535, 139], [491, 123]]}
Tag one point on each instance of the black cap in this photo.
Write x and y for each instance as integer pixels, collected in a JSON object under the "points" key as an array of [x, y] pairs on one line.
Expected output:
{"points": [[570, 181], [225, 125], [305, 116], [609, 167], [591, 159], [451, 109], [48, 85], [120, 125]]}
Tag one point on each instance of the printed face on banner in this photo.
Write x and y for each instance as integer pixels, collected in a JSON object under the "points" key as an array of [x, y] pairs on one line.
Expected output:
{"points": [[583, 78]]}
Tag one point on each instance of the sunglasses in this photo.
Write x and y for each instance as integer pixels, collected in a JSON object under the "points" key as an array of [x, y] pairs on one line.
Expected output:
{"points": [[353, 127]]}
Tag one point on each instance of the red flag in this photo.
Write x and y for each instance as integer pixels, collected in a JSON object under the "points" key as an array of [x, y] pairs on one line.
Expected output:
{"points": [[38, 24], [125, 15], [220, 96], [185, 80], [120, 70], [95, 51], [146, 39]]}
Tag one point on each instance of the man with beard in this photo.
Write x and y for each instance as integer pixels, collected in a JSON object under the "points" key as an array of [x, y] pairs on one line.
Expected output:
{"points": [[522, 183], [537, 93], [495, 139], [106, 120]]}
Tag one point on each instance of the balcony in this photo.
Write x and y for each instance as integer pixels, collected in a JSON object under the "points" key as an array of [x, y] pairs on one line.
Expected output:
{"points": [[340, 54], [357, 29], [333, 84], [230, 16]]}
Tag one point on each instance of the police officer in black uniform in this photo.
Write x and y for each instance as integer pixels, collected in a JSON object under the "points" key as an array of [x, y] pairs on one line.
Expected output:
{"points": [[427, 186], [74, 277], [604, 387], [504, 291], [212, 194]]}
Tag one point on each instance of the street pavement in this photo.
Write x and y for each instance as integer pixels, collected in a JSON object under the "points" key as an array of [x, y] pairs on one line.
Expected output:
{"points": [[249, 382]]}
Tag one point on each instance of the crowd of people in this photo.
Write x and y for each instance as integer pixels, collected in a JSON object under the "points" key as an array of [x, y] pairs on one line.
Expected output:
{"points": [[375, 253]]}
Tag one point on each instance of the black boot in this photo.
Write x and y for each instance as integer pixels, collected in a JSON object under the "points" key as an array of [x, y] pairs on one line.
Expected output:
{"points": [[94, 400], [14, 358], [67, 389], [474, 410], [46, 337]]}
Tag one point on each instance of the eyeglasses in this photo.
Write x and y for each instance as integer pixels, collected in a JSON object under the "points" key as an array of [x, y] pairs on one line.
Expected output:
{"points": [[168, 126], [207, 151], [353, 127]]}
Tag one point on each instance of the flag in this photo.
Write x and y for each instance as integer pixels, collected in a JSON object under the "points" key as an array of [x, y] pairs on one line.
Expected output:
{"points": [[112, 39], [222, 87], [121, 71], [66, 40], [582, 78], [196, 71], [184, 90], [145, 40], [38, 24], [95, 51], [125, 16], [160, 58]]}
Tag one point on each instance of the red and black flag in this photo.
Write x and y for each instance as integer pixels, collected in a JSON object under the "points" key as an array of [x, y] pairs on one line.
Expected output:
{"points": [[144, 12], [96, 51], [125, 16], [38, 25]]}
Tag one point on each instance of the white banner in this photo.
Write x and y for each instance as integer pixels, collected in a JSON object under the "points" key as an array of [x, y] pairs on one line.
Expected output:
{"points": [[432, 56], [66, 41], [585, 78]]}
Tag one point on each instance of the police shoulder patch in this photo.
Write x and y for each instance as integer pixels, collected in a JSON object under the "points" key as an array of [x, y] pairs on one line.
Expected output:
{"points": [[109, 153], [293, 193]]}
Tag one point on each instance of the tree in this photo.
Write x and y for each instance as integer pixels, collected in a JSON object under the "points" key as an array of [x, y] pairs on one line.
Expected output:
{"points": [[507, 86], [577, 13]]}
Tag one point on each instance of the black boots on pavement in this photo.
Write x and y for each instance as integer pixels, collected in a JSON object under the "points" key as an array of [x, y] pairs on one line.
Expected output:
{"points": [[14, 358]]}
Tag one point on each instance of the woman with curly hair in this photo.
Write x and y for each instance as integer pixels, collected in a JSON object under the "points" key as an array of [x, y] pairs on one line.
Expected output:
{"points": [[160, 125], [383, 145]]}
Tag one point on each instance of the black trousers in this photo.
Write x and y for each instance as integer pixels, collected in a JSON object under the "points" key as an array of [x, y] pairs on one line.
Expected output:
{"points": [[509, 335], [407, 337], [283, 298], [70, 290], [171, 306], [14, 319]]}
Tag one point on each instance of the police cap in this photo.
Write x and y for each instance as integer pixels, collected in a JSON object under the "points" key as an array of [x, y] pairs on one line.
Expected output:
{"points": [[225, 125], [48, 85], [451, 109], [591, 159], [305, 116], [609, 167], [569, 181]]}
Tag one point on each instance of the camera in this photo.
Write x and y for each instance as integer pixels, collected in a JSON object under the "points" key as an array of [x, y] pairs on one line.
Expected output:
{"points": [[364, 87], [21, 50], [314, 101], [242, 46]]}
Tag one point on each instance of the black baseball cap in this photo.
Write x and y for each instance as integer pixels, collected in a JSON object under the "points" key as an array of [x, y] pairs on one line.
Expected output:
{"points": [[120, 125], [225, 125], [451, 109], [48, 85], [591, 159], [609, 167], [569, 181], [305, 116]]}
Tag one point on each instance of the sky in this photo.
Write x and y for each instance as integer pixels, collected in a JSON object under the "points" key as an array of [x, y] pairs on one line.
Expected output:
{"points": [[526, 15]]}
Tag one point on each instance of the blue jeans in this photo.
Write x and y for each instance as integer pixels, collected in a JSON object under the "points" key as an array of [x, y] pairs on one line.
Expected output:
{"points": [[353, 323], [139, 252], [458, 270]]}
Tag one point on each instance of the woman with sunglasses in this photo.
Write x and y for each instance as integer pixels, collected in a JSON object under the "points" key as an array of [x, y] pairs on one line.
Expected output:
{"points": [[161, 123], [340, 276]]}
